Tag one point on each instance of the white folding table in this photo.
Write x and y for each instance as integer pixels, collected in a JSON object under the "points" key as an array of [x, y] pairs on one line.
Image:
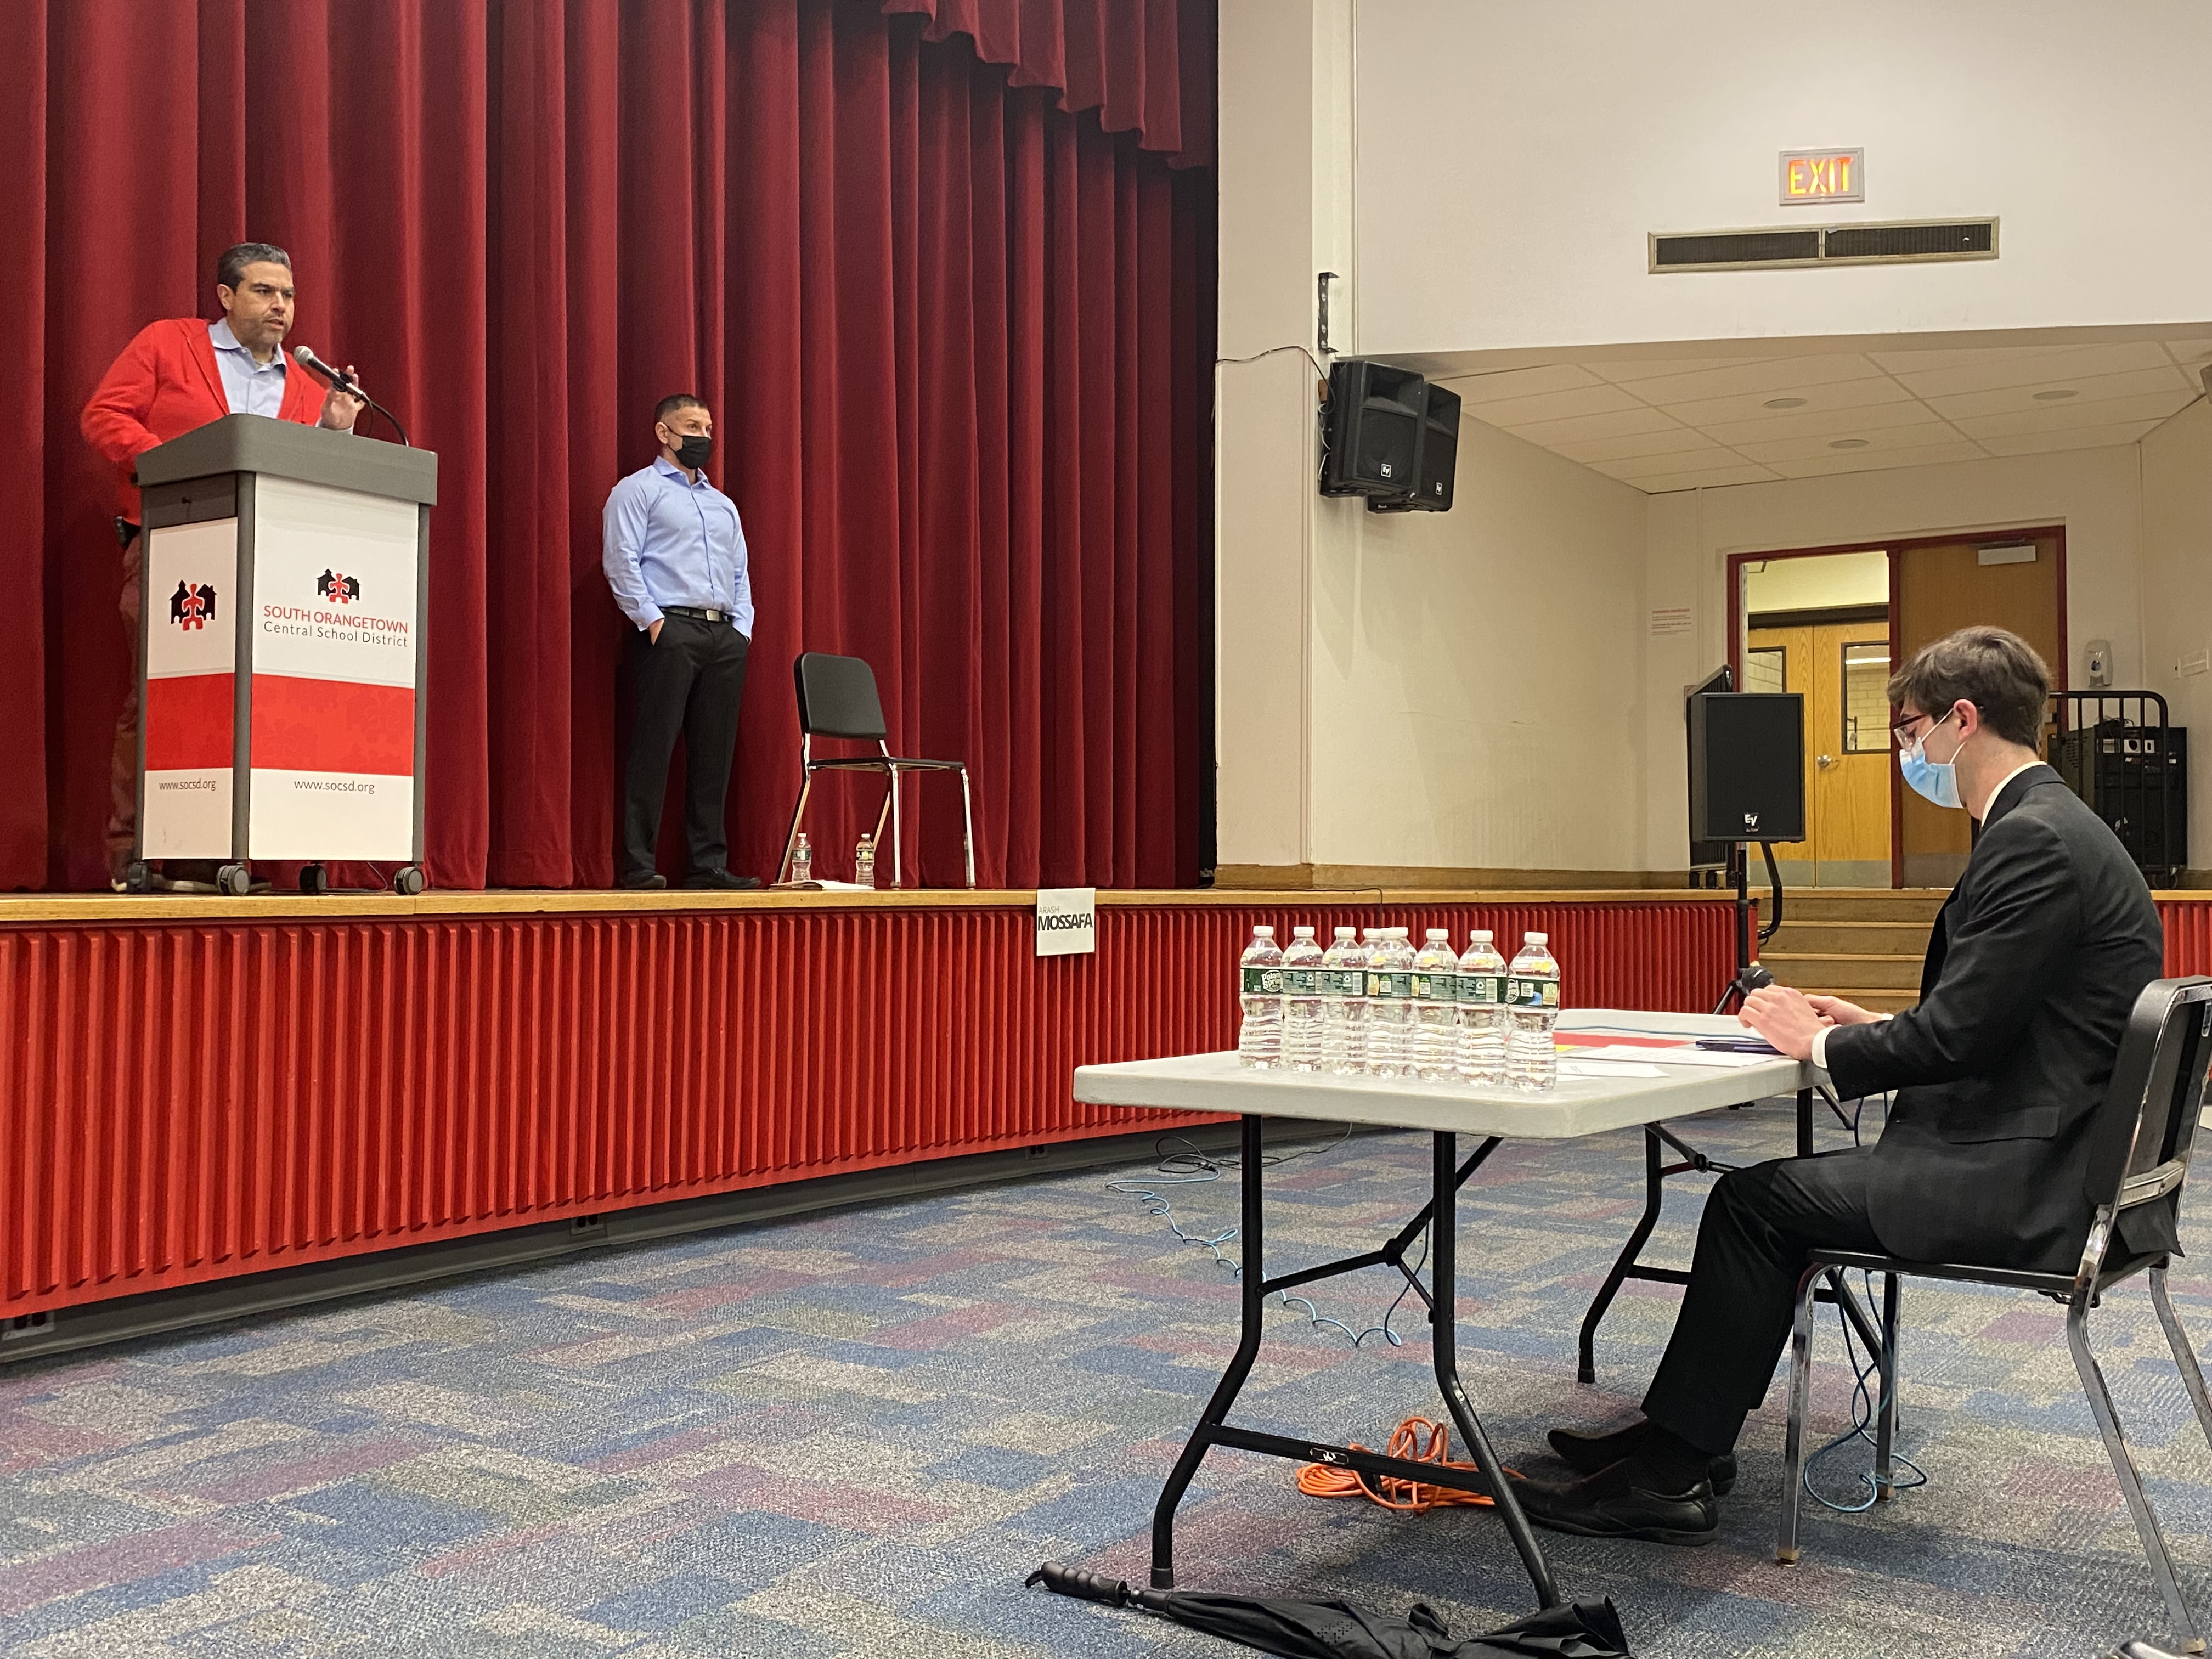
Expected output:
{"points": [[1579, 1105]]}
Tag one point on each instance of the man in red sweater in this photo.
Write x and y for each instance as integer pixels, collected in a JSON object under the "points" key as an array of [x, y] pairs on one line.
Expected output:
{"points": [[180, 374]]}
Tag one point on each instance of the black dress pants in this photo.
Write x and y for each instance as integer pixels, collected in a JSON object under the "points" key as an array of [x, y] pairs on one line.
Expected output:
{"points": [[690, 680], [1759, 1224]]}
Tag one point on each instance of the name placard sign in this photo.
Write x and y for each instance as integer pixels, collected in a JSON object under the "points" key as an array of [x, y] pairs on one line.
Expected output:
{"points": [[1067, 921]]}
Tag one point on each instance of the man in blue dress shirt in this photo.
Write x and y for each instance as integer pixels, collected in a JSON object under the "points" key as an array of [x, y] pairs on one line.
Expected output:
{"points": [[675, 556]]}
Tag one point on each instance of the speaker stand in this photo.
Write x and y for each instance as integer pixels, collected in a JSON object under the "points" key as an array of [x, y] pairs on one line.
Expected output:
{"points": [[1749, 975]]}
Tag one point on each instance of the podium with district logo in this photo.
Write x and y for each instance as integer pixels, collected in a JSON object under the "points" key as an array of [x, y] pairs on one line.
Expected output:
{"points": [[284, 590]]}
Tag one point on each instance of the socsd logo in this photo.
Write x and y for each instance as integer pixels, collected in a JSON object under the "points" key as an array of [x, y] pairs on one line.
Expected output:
{"points": [[338, 587], [192, 605]]}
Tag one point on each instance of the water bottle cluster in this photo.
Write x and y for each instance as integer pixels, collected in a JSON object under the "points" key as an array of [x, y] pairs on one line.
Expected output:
{"points": [[1372, 1005]]}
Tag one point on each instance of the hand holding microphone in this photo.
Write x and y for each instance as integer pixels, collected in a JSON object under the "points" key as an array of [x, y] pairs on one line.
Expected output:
{"points": [[346, 399]]}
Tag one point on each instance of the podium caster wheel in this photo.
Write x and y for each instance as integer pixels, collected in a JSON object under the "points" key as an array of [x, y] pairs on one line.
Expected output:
{"points": [[408, 879], [138, 878], [235, 880], [314, 880]]}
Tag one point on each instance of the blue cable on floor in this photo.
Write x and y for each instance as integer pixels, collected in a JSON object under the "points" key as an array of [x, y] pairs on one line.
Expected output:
{"points": [[1195, 1169]]}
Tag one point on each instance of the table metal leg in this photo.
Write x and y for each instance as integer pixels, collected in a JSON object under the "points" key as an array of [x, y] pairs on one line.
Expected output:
{"points": [[1654, 1196], [1804, 1123], [1252, 1287], [1884, 1427], [1444, 1285]]}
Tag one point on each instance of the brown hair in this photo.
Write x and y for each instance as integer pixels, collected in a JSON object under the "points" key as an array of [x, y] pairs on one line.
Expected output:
{"points": [[1992, 668]]}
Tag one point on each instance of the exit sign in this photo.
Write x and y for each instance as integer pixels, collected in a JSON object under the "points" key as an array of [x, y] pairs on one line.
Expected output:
{"points": [[1823, 175]]}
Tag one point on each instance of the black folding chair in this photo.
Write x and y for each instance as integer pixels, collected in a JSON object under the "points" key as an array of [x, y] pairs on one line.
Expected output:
{"points": [[2145, 1135], [837, 699]]}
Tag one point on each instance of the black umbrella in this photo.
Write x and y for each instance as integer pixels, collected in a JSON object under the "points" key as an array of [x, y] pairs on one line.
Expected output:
{"points": [[1334, 1630]]}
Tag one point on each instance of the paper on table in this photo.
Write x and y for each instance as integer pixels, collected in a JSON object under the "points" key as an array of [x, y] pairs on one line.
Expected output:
{"points": [[1721, 1057], [1585, 1066]]}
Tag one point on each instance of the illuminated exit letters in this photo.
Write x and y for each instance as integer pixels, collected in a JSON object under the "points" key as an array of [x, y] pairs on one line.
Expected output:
{"points": [[1823, 175]]}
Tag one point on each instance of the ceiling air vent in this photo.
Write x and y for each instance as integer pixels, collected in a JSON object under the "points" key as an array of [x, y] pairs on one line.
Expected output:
{"points": [[1830, 244]]}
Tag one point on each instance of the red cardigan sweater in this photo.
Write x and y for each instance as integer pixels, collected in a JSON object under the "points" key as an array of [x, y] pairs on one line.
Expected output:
{"points": [[165, 383]]}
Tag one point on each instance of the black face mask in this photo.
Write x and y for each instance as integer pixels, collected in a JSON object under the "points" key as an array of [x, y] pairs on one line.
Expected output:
{"points": [[695, 451]]}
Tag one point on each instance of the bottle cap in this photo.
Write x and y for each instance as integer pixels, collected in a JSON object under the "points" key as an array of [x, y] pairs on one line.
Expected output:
{"points": [[1483, 936], [1301, 932], [1536, 939], [1374, 933], [1437, 935], [1263, 932], [1347, 933]]}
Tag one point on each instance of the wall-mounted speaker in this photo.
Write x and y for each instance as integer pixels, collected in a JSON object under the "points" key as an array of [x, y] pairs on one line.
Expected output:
{"points": [[1437, 462], [1747, 766], [1373, 427]]}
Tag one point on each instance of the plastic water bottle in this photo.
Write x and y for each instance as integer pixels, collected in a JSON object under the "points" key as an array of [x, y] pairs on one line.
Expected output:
{"points": [[1532, 999], [1482, 1012], [1301, 1002], [1390, 1005], [1260, 1039], [1436, 1010], [1344, 1005], [863, 862], [802, 858]]}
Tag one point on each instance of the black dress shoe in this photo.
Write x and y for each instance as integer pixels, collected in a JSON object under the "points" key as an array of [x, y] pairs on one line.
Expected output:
{"points": [[721, 880], [1586, 1454], [641, 881], [1610, 1504]]}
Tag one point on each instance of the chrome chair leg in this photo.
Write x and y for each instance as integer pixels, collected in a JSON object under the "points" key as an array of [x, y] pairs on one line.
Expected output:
{"points": [[2184, 1357], [898, 823], [2123, 1469], [1884, 1432], [798, 813], [882, 813], [1801, 1399], [968, 843]]}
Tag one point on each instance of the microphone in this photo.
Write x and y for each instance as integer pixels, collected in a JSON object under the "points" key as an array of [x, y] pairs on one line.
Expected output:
{"points": [[346, 383]]}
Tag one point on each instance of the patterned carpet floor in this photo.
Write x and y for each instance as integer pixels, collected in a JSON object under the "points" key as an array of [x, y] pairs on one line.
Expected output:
{"points": [[853, 1434]]}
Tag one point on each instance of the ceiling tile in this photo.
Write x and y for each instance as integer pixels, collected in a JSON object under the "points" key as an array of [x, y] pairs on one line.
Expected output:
{"points": [[2090, 389], [2060, 417], [2187, 353], [1672, 440], [1625, 373], [2073, 363], [1616, 425], [1495, 387], [1769, 377], [1874, 460], [1630, 468], [1752, 405], [1820, 422], [1712, 477], [2093, 437], [1912, 361], [1893, 438], [1598, 399]]}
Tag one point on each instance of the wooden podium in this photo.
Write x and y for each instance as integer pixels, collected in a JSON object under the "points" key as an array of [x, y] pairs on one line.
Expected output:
{"points": [[284, 592]]}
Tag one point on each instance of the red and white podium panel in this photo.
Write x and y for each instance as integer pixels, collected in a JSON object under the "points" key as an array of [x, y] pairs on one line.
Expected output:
{"points": [[284, 603]]}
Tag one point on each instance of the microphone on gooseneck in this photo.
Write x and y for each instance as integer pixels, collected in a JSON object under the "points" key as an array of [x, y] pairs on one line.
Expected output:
{"points": [[346, 383]]}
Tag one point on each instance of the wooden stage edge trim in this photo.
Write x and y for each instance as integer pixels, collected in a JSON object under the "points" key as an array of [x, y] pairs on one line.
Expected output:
{"points": [[50, 909]]}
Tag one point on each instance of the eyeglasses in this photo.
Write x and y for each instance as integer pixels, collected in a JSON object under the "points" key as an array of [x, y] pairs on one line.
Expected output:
{"points": [[1906, 734]]}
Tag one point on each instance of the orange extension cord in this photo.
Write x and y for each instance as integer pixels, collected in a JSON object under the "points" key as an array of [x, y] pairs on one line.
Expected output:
{"points": [[1418, 1440]]}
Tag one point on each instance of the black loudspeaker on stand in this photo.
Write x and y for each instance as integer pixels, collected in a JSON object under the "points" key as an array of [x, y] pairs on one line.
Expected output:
{"points": [[1747, 785]]}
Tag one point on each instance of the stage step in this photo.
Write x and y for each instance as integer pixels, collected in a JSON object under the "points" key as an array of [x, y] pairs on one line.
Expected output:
{"points": [[1851, 939], [1877, 1001], [1822, 972], [1859, 903]]}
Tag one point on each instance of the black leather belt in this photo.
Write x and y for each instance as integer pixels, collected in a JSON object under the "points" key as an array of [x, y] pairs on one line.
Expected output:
{"points": [[695, 614]]}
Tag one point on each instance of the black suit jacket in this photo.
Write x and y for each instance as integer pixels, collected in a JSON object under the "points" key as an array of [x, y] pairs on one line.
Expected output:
{"points": [[2037, 958]]}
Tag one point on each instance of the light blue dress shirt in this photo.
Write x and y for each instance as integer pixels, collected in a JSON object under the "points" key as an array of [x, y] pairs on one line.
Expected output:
{"points": [[671, 541], [250, 388]]}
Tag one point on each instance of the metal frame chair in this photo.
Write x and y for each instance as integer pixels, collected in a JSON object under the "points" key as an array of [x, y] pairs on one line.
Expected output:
{"points": [[837, 699], [2145, 1135]]}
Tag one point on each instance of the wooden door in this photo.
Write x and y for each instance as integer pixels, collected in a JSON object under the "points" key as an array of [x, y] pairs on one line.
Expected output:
{"points": [[1946, 587], [1840, 669]]}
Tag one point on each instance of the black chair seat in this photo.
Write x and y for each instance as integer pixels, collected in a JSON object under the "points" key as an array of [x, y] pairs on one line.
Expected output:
{"points": [[883, 764], [2021, 1278]]}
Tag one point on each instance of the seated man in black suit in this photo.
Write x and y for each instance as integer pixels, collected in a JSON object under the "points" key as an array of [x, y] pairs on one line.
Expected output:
{"points": [[2037, 958]]}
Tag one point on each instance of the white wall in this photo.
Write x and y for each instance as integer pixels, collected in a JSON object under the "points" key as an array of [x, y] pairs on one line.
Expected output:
{"points": [[1476, 678], [2176, 498], [1512, 156], [2095, 494]]}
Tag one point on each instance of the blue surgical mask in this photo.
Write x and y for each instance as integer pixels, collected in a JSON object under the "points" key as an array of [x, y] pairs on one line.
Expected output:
{"points": [[1934, 780]]}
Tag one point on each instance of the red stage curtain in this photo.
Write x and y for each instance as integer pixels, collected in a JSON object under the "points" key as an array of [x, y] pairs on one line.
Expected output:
{"points": [[957, 334]]}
